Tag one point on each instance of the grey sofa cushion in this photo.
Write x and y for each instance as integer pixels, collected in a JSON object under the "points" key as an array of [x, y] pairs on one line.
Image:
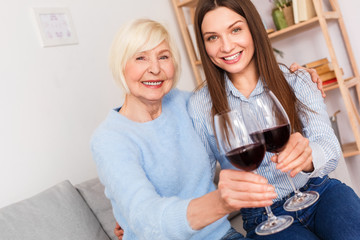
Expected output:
{"points": [[93, 193], [58, 213]]}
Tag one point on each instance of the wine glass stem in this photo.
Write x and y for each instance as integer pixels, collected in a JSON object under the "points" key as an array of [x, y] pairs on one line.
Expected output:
{"points": [[296, 191], [270, 214]]}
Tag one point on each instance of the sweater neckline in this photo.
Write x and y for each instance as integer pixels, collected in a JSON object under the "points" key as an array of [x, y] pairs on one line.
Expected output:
{"points": [[114, 113]]}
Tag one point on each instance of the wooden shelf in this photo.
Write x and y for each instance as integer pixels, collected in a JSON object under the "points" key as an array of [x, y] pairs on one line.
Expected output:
{"points": [[179, 6], [294, 27], [350, 149], [349, 82], [299, 26], [188, 3]]}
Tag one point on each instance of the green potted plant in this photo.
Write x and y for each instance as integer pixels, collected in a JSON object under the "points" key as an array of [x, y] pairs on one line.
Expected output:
{"points": [[282, 13], [281, 3]]}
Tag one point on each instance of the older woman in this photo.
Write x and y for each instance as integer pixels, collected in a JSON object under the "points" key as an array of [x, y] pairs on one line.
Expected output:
{"points": [[154, 167]]}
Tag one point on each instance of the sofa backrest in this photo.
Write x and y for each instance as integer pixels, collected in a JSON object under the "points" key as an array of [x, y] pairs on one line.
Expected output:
{"points": [[58, 213]]}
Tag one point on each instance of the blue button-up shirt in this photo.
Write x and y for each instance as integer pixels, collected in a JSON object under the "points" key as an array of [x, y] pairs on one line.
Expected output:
{"points": [[316, 127]]}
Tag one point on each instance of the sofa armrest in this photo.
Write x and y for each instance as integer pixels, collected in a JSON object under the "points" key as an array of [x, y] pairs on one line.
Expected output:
{"points": [[93, 193]]}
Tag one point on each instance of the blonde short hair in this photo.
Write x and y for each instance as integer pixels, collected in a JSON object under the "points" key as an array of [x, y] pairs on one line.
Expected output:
{"points": [[138, 36]]}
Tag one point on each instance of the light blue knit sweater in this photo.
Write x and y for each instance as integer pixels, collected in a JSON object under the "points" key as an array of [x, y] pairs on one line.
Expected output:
{"points": [[152, 170]]}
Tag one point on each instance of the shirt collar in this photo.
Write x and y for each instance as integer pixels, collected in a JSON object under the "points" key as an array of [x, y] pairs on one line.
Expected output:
{"points": [[231, 89]]}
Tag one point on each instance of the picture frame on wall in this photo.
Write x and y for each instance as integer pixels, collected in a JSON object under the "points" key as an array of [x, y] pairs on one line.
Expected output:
{"points": [[55, 27]]}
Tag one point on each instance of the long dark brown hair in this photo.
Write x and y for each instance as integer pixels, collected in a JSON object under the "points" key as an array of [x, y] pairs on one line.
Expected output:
{"points": [[267, 66]]}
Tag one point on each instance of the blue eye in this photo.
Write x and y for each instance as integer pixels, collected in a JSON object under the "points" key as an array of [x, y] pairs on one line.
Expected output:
{"points": [[211, 38], [140, 58], [164, 57], [236, 30]]}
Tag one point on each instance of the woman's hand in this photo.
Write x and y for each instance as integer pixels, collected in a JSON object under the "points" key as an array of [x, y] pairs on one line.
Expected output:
{"points": [[314, 76], [240, 189], [236, 190], [118, 231], [296, 156]]}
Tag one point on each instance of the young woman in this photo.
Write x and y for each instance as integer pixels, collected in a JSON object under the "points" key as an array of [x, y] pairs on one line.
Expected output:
{"points": [[239, 64]]}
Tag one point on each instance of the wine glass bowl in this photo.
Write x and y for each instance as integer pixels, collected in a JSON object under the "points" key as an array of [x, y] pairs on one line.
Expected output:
{"points": [[247, 158], [274, 121], [276, 137], [241, 142]]}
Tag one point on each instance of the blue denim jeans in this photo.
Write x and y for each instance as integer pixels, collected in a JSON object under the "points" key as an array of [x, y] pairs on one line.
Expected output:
{"points": [[232, 234], [335, 216]]}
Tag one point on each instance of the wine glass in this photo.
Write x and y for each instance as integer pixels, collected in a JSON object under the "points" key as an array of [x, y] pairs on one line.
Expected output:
{"points": [[240, 139], [276, 129]]}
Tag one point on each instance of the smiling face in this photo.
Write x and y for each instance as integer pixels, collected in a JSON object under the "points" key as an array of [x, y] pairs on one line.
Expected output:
{"points": [[149, 74], [228, 41]]}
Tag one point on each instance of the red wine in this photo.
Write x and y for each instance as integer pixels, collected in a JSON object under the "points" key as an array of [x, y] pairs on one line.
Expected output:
{"points": [[248, 157], [276, 138]]}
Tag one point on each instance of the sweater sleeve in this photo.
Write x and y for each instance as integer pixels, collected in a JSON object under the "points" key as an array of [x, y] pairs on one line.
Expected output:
{"points": [[316, 125], [147, 214]]}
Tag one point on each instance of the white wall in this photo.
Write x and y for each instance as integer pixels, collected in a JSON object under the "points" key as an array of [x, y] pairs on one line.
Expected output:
{"points": [[51, 99], [309, 45]]}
